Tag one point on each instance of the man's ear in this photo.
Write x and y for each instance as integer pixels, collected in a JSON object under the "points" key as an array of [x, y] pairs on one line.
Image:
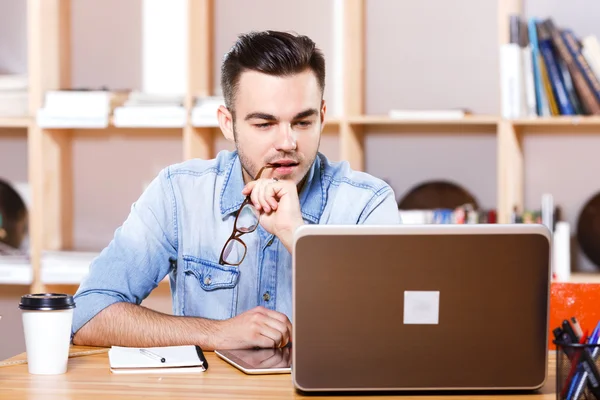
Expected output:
{"points": [[226, 123]]}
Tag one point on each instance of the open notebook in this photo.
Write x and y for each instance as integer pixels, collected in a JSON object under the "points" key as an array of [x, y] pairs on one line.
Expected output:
{"points": [[177, 359]]}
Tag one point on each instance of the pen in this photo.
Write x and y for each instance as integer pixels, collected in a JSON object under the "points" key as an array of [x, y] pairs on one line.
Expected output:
{"points": [[588, 364], [152, 355], [576, 327], [574, 363], [581, 377]]}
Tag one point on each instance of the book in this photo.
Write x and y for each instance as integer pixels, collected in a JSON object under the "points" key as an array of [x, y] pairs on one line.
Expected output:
{"points": [[529, 102], [552, 69], [589, 104], [512, 85], [573, 47], [543, 106], [591, 52], [157, 360]]}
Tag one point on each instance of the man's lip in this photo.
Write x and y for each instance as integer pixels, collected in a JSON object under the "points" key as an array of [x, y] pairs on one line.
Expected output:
{"points": [[284, 164]]}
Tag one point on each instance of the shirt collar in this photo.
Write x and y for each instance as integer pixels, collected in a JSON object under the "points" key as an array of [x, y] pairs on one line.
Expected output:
{"points": [[311, 196]]}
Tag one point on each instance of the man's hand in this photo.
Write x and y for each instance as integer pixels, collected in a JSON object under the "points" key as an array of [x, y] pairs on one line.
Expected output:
{"points": [[258, 327], [278, 203]]}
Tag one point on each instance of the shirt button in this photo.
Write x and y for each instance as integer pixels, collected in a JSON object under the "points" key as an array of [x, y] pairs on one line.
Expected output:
{"points": [[266, 296], [207, 280]]}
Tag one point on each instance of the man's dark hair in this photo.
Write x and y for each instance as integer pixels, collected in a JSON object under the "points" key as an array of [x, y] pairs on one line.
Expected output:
{"points": [[270, 52], [12, 209]]}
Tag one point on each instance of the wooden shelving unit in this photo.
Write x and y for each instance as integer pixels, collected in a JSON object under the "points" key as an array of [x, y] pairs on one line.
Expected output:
{"points": [[20, 122], [50, 169]]}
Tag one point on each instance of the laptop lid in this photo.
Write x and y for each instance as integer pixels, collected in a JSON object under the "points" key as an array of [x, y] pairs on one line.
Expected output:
{"points": [[435, 307]]}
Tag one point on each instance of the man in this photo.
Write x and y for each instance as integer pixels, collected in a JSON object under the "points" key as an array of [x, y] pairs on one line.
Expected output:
{"points": [[231, 285]]}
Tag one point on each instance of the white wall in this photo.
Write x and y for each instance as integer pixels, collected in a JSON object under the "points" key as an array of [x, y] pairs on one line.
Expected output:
{"points": [[433, 54], [13, 155], [13, 36]]}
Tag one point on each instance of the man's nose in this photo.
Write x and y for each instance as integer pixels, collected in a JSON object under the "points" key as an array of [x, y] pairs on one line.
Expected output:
{"points": [[286, 138]]}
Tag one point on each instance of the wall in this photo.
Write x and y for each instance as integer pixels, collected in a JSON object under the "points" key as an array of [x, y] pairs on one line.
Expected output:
{"points": [[425, 55], [13, 36]]}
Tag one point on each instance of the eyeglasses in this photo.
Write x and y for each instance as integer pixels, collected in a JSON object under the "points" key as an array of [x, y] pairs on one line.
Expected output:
{"points": [[246, 221]]}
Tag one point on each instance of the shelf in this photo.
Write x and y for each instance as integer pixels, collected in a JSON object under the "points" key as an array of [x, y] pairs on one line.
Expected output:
{"points": [[68, 267], [378, 120], [15, 122], [583, 277], [65, 267], [15, 271], [590, 121]]}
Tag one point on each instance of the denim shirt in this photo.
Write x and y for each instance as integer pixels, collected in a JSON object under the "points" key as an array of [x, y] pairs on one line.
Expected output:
{"points": [[187, 214]]}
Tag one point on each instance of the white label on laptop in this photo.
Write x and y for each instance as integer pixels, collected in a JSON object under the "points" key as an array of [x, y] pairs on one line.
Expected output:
{"points": [[421, 307]]}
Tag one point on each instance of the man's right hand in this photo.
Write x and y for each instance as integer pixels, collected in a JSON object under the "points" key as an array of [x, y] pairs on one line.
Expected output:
{"points": [[258, 327]]}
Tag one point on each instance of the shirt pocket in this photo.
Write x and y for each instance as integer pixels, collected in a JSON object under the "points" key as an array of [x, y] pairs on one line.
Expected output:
{"points": [[210, 289]]}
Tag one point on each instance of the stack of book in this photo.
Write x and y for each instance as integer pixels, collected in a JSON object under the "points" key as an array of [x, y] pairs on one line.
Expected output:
{"points": [[548, 71], [13, 95], [151, 110]]}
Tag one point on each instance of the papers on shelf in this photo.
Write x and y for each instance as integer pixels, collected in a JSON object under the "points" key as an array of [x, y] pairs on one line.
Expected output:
{"points": [[65, 267], [75, 109], [14, 82], [14, 98], [154, 116], [204, 113], [15, 270], [151, 110]]}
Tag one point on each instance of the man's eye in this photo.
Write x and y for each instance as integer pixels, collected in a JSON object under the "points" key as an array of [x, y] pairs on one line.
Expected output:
{"points": [[304, 124], [262, 126]]}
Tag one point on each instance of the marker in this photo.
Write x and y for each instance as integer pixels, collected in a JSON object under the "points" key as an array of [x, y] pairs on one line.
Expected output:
{"points": [[152, 355]]}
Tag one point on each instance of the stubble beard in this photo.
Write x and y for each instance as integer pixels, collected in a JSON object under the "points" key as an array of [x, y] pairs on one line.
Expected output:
{"points": [[252, 169]]}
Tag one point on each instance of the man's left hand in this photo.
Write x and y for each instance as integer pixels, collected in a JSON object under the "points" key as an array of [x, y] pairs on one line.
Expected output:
{"points": [[277, 202]]}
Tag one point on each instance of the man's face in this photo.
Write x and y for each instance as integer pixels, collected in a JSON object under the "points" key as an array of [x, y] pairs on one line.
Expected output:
{"points": [[278, 120]]}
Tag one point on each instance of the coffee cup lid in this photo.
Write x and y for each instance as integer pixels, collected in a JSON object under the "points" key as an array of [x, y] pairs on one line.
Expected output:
{"points": [[46, 301]]}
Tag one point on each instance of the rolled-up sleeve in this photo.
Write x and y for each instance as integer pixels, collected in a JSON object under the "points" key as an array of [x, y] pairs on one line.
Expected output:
{"points": [[136, 259], [382, 209]]}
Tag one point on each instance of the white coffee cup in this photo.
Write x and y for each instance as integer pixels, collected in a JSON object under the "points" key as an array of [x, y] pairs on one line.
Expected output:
{"points": [[47, 321]]}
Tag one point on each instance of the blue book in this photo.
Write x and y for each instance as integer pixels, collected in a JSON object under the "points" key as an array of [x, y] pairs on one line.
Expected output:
{"points": [[581, 63], [554, 74], [537, 75]]}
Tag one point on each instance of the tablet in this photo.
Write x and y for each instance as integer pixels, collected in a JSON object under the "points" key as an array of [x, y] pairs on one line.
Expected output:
{"points": [[259, 361]]}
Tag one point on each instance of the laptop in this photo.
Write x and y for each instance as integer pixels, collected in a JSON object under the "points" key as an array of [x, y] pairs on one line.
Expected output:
{"points": [[429, 307]]}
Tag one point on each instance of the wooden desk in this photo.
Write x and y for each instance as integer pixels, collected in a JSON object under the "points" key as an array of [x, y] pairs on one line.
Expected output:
{"points": [[88, 377]]}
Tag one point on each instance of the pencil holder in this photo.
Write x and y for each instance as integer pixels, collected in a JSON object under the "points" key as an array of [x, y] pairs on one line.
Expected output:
{"points": [[577, 371]]}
